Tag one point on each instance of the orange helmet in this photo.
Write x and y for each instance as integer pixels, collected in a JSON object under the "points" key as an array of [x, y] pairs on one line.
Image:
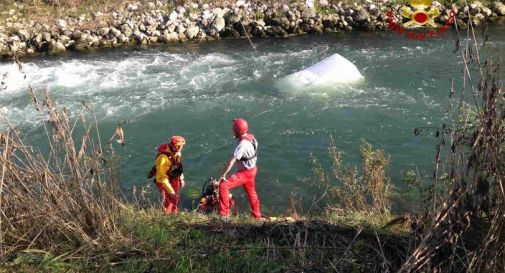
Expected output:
{"points": [[177, 142], [163, 148], [240, 126]]}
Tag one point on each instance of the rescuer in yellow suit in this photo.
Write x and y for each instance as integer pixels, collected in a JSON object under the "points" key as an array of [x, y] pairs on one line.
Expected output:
{"points": [[169, 173]]}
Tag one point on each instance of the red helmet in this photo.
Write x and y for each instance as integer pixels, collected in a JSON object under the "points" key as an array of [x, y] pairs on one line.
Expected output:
{"points": [[177, 142], [240, 126]]}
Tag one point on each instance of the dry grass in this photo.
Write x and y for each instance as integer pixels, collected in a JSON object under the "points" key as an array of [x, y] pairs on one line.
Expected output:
{"points": [[60, 197], [48, 11], [467, 230]]}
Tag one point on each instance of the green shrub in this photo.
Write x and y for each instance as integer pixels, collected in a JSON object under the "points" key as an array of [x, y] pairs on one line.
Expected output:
{"points": [[368, 192]]}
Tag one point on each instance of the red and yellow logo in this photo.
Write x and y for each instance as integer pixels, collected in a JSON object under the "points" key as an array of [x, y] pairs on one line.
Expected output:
{"points": [[422, 14]]}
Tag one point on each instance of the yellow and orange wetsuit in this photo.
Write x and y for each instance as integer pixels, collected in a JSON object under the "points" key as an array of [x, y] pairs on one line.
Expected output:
{"points": [[168, 186]]}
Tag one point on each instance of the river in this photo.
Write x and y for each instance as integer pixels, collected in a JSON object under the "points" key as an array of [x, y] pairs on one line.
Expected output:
{"points": [[195, 90]]}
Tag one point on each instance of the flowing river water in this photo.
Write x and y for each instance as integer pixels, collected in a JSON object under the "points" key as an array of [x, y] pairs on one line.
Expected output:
{"points": [[195, 90]]}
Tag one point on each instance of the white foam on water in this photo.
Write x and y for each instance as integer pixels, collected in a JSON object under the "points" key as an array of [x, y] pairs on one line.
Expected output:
{"points": [[199, 81], [216, 60], [120, 74], [203, 64], [257, 74], [114, 110], [69, 82], [20, 116], [113, 80], [12, 78], [278, 59], [15, 81], [75, 73]]}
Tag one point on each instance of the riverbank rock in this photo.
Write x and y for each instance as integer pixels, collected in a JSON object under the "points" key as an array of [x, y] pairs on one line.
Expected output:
{"points": [[23, 35], [126, 30], [169, 38], [192, 32], [115, 32], [103, 31], [4, 48], [56, 47], [152, 22], [499, 8], [219, 23], [173, 16], [486, 12]]}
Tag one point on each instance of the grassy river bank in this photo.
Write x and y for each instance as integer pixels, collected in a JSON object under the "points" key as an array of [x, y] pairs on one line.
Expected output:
{"points": [[152, 242]]}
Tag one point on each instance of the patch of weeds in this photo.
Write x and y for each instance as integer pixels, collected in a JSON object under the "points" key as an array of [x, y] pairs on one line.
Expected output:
{"points": [[347, 188], [325, 10], [250, 260], [260, 15], [356, 219], [33, 260]]}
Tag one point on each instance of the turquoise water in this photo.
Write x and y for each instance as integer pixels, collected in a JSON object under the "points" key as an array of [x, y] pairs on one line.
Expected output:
{"points": [[195, 90]]}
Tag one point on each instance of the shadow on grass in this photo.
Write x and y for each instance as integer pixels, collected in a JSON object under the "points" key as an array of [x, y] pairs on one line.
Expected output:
{"points": [[173, 244]]}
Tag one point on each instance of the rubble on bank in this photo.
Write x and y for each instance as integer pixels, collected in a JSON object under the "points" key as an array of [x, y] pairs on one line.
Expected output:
{"points": [[160, 22]]}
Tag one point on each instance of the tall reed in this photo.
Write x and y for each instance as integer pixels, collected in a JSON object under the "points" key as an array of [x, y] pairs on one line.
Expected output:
{"points": [[466, 233]]}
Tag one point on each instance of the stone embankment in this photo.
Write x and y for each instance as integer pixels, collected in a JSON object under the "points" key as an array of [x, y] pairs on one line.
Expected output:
{"points": [[161, 22]]}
